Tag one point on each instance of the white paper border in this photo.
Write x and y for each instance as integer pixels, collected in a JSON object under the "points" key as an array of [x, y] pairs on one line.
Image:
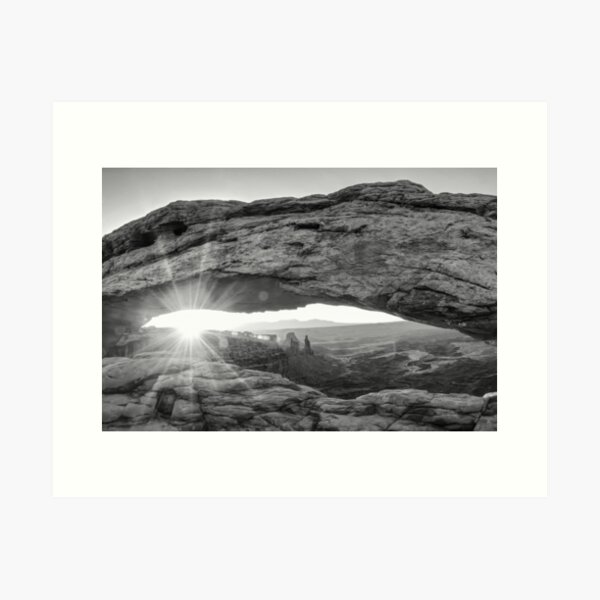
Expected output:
{"points": [[509, 462]]}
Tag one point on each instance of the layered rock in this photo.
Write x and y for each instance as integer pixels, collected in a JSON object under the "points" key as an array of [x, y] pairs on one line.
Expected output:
{"points": [[393, 247], [183, 394], [488, 421]]}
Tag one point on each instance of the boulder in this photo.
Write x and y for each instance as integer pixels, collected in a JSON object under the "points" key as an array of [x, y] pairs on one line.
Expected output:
{"points": [[249, 400]]}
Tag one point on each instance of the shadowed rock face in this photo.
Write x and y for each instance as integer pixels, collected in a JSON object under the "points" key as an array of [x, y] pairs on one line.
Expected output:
{"points": [[393, 247]]}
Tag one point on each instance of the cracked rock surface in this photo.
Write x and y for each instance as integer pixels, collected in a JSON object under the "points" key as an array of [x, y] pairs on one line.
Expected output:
{"points": [[180, 394]]}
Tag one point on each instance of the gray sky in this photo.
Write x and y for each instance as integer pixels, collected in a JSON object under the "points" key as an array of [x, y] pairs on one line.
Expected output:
{"points": [[129, 194]]}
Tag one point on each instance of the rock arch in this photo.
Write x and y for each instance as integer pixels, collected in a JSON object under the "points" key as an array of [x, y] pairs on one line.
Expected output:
{"points": [[393, 247]]}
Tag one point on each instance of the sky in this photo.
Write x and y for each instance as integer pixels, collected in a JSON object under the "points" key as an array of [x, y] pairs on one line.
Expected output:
{"points": [[129, 194], [193, 321]]}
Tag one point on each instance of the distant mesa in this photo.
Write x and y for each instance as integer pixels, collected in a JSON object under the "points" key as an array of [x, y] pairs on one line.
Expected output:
{"points": [[291, 324]]}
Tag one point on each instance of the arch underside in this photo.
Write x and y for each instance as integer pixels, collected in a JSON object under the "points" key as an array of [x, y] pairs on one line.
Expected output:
{"points": [[392, 247]]}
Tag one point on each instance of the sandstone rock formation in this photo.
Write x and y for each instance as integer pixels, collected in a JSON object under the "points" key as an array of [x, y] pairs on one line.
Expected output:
{"points": [[392, 247], [488, 419], [180, 394]]}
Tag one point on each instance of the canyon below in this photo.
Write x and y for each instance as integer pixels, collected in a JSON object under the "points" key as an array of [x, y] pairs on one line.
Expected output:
{"points": [[372, 377]]}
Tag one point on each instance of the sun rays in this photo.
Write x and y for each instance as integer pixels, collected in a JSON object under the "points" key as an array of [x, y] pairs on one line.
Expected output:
{"points": [[200, 314], [183, 340]]}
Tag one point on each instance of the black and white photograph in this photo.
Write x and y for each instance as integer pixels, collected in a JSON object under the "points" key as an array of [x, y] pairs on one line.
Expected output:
{"points": [[299, 299]]}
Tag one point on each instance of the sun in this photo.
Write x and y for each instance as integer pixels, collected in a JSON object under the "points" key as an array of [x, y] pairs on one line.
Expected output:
{"points": [[189, 325], [189, 332]]}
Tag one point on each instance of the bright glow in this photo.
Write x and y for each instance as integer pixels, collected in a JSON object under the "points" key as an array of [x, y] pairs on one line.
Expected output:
{"points": [[191, 322]]}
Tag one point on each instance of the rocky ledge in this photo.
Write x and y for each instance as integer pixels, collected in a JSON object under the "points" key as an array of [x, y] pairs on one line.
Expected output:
{"points": [[393, 247], [183, 394]]}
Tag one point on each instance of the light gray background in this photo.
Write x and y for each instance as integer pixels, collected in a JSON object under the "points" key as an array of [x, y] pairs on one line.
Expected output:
{"points": [[313, 548]]}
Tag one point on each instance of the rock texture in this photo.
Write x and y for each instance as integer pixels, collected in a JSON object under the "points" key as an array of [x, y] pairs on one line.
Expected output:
{"points": [[393, 247], [488, 421], [181, 394]]}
